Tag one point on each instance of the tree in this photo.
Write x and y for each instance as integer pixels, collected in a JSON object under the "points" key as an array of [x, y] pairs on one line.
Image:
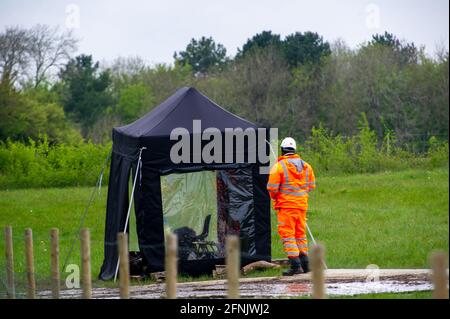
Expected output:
{"points": [[301, 48], [257, 87], [127, 70], [29, 54], [24, 115], [202, 55], [260, 40], [134, 100], [406, 53], [85, 90], [49, 49], [338, 108], [14, 50]]}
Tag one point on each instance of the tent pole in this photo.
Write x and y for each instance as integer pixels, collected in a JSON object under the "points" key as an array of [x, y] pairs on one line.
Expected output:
{"points": [[314, 242], [271, 149], [139, 163]]}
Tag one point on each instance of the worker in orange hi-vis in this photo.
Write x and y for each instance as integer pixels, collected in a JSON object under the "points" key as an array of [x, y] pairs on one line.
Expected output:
{"points": [[290, 181]]}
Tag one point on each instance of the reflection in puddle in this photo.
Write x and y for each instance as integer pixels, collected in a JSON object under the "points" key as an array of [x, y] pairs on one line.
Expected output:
{"points": [[356, 288], [298, 288]]}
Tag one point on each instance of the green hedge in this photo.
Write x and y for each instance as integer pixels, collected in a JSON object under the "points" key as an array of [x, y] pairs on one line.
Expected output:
{"points": [[333, 154], [37, 164]]}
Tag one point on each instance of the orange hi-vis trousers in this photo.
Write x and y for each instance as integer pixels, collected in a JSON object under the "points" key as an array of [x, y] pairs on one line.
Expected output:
{"points": [[292, 230]]}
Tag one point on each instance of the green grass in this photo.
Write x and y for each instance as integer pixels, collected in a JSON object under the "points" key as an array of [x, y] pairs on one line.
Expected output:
{"points": [[392, 219], [42, 209]]}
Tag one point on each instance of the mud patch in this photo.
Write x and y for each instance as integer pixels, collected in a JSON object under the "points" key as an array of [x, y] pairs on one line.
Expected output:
{"points": [[256, 290], [339, 282]]}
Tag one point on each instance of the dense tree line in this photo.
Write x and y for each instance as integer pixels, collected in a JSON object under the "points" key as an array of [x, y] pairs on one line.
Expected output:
{"points": [[294, 83]]}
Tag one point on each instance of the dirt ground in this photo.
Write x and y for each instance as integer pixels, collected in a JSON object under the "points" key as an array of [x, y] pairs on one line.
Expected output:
{"points": [[338, 282]]}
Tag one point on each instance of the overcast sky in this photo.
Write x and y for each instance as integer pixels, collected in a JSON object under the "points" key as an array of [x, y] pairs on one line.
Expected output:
{"points": [[155, 29]]}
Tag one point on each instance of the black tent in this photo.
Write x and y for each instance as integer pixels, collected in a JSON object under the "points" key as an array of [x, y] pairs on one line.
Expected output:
{"points": [[143, 148]]}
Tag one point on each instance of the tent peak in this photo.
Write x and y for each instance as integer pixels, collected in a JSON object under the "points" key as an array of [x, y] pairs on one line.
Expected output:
{"points": [[179, 110], [187, 88]]}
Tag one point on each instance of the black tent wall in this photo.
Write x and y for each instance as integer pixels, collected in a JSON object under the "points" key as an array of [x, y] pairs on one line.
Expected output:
{"points": [[116, 211]]}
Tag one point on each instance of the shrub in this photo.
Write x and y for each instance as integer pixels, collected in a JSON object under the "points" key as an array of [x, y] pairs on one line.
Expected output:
{"points": [[437, 152], [37, 164], [363, 153]]}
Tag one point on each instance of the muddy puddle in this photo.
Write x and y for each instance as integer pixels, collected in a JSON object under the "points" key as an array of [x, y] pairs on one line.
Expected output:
{"points": [[256, 290]]}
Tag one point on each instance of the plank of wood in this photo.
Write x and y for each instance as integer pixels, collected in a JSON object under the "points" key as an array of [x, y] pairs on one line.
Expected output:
{"points": [[258, 265]]}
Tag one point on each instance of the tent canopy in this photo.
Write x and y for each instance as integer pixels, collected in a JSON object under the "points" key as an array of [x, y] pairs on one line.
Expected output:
{"points": [[151, 136], [179, 110]]}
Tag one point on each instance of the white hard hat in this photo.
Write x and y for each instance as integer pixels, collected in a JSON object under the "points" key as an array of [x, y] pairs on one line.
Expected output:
{"points": [[288, 142]]}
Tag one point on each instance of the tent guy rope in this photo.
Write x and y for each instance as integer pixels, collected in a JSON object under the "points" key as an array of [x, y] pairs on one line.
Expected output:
{"points": [[91, 200]]}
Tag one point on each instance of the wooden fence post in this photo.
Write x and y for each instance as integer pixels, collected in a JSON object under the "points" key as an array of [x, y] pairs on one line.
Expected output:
{"points": [[317, 275], [439, 265], [232, 265], [54, 262], [11, 293], [31, 292], [124, 272], [86, 281], [171, 266]]}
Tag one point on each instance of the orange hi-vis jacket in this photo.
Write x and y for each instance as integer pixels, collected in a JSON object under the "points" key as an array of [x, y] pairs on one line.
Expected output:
{"points": [[290, 181]]}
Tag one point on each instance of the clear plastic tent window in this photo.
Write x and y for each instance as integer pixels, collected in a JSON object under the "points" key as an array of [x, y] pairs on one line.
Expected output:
{"points": [[201, 208]]}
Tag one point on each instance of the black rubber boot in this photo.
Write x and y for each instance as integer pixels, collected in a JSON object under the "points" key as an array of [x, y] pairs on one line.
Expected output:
{"points": [[304, 261], [295, 267]]}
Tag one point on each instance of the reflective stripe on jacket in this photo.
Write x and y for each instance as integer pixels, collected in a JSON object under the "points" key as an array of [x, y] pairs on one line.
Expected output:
{"points": [[290, 181]]}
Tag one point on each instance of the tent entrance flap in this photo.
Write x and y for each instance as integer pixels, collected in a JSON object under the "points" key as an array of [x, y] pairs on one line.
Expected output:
{"points": [[203, 207]]}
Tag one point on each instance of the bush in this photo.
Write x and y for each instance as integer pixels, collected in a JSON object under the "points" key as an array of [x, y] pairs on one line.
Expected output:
{"points": [[437, 152], [37, 164], [363, 153], [329, 153]]}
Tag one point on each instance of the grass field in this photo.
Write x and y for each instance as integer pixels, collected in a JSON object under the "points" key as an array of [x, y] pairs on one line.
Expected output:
{"points": [[392, 219]]}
